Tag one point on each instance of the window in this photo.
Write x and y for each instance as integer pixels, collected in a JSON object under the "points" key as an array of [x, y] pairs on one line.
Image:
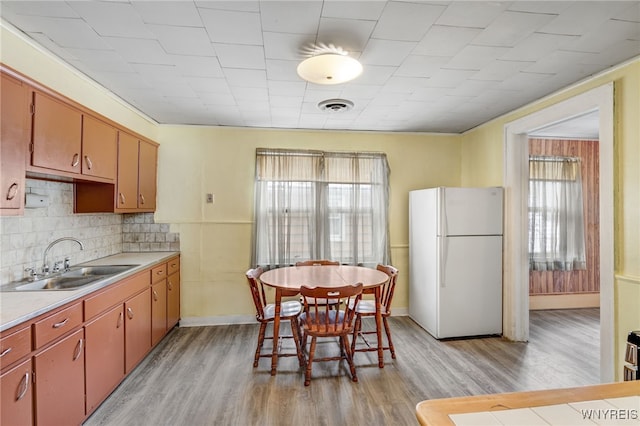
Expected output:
{"points": [[556, 219], [315, 204]]}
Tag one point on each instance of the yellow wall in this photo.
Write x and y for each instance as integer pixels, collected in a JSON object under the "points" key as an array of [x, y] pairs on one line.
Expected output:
{"points": [[482, 157], [215, 239]]}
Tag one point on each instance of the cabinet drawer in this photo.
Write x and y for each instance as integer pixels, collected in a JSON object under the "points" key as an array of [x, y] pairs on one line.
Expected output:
{"points": [[116, 294], [14, 346], [173, 265], [57, 324], [159, 273]]}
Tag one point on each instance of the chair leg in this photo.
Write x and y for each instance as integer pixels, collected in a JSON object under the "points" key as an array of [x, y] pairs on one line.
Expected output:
{"points": [[356, 330], [312, 350], [263, 329], [349, 356], [296, 337], [388, 331]]}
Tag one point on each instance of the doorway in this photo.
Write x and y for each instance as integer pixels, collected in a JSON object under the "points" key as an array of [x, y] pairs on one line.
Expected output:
{"points": [[516, 178]]}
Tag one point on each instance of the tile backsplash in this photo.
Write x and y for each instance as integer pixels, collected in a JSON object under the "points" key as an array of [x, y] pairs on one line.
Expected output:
{"points": [[23, 239]]}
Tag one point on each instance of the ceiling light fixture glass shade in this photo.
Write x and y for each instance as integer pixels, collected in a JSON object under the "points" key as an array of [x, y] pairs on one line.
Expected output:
{"points": [[329, 68]]}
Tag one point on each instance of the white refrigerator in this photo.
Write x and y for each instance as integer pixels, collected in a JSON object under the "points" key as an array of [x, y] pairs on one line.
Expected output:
{"points": [[455, 261]]}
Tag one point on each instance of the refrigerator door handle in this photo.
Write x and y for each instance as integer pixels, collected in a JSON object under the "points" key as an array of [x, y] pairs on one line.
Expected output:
{"points": [[442, 264]]}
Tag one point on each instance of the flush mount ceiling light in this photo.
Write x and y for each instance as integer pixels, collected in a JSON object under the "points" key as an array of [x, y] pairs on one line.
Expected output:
{"points": [[330, 65]]}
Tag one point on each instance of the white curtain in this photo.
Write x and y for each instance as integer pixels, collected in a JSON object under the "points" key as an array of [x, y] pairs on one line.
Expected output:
{"points": [[556, 218], [320, 205]]}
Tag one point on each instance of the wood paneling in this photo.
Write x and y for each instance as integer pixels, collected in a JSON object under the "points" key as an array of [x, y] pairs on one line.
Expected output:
{"points": [[582, 281]]}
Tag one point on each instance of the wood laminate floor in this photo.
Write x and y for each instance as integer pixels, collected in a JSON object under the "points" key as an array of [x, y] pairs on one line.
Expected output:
{"points": [[205, 375]]}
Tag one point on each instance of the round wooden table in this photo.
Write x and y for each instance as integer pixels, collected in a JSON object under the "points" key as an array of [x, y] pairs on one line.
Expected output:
{"points": [[287, 282]]}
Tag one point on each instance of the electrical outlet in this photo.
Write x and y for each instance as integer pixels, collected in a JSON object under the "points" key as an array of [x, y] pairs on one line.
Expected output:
{"points": [[210, 198]]}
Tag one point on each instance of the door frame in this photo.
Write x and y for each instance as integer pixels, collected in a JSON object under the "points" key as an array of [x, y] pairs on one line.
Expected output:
{"points": [[516, 178]]}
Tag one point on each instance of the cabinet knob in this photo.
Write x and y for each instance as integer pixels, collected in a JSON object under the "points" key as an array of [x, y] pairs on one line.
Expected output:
{"points": [[141, 199], [88, 161], [76, 160], [120, 318], [12, 191], [130, 313], [169, 285], [6, 351], [122, 198], [155, 295]]}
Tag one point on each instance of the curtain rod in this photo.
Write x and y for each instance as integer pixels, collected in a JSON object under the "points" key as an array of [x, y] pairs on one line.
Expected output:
{"points": [[554, 159]]}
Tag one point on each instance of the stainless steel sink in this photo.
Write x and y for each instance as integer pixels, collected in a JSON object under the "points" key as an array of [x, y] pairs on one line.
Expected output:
{"points": [[72, 279]]}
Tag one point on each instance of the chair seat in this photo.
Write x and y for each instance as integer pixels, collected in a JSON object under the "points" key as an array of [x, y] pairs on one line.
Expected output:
{"points": [[287, 309], [368, 307]]}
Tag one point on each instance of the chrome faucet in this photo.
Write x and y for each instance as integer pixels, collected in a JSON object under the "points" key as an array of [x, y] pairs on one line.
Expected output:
{"points": [[45, 266]]}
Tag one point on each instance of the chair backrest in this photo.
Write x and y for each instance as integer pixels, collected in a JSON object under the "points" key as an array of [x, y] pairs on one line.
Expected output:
{"points": [[317, 262], [257, 290], [389, 287], [320, 318]]}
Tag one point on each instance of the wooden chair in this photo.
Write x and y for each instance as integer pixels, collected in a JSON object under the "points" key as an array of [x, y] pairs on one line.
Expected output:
{"points": [[265, 313], [320, 262], [317, 262], [319, 320], [367, 308]]}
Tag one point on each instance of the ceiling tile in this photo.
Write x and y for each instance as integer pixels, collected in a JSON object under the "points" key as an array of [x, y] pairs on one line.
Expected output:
{"points": [[386, 52], [536, 6], [510, 28], [101, 60], [406, 21], [608, 35], [176, 13], [232, 27], [421, 66], [476, 57], [581, 17], [363, 10], [290, 16], [240, 56], [286, 88], [349, 34], [471, 14], [65, 32], [182, 40], [197, 66], [286, 46], [538, 45], [238, 77], [139, 51], [240, 6], [445, 41], [282, 70], [375, 74], [208, 85], [499, 70], [52, 9], [112, 19]]}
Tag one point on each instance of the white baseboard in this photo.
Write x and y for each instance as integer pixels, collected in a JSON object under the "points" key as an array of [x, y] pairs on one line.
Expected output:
{"points": [[248, 319]]}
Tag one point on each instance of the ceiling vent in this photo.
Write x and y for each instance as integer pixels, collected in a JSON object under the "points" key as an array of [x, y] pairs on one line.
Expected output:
{"points": [[335, 105]]}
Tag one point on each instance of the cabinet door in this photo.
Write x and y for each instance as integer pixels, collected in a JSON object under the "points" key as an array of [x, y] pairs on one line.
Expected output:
{"points": [[57, 135], [104, 355], [173, 299], [137, 328], [59, 385], [147, 176], [14, 139], [99, 148], [158, 311], [127, 193], [17, 396]]}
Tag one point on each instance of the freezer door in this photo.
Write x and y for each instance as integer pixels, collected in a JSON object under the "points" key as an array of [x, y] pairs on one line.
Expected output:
{"points": [[471, 211], [470, 290]]}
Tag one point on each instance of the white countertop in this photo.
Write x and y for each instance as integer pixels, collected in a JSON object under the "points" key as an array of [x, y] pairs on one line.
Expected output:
{"points": [[19, 306]]}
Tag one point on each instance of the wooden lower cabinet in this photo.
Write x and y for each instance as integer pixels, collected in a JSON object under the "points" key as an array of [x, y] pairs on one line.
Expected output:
{"points": [[137, 328], [59, 367], [59, 385], [104, 356], [173, 300], [17, 395], [158, 311]]}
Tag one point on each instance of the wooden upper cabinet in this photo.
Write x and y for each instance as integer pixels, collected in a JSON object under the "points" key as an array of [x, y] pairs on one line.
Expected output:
{"points": [[14, 139], [127, 186], [147, 167], [99, 148], [57, 135], [137, 163]]}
